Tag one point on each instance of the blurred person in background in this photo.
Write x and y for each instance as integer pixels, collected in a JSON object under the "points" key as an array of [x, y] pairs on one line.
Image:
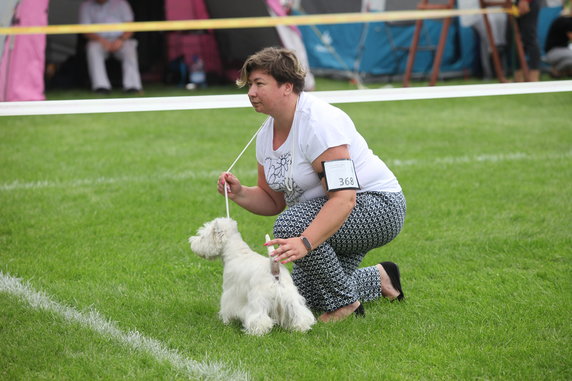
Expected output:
{"points": [[527, 21], [558, 45], [119, 44]]}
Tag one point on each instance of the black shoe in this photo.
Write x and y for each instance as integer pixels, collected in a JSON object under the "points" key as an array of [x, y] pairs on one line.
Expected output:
{"points": [[133, 91], [360, 311], [393, 271], [102, 90]]}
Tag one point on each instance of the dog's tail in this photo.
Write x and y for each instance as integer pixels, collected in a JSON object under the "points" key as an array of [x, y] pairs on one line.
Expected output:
{"points": [[274, 266]]}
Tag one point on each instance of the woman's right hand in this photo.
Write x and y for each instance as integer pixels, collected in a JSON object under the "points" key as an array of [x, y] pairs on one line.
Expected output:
{"points": [[231, 182]]}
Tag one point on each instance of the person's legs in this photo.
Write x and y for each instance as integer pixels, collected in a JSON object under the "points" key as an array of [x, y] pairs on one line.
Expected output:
{"points": [[561, 60], [96, 57], [527, 26], [319, 276], [130, 64], [388, 289], [565, 65], [328, 276], [384, 217]]}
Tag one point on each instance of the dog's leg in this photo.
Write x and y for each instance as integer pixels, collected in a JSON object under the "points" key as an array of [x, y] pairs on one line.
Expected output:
{"points": [[230, 303], [226, 314], [294, 315], [255, 317]]}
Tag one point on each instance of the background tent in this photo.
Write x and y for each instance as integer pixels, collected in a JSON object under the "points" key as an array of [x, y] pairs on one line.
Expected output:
{"points": [[66, 65], [363, 51], [347, 50], [22, 57], [237, 44], [162, 53]]}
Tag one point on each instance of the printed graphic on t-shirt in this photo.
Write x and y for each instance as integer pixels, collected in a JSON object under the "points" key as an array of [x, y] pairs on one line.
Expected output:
{"points": [[276, 171]]}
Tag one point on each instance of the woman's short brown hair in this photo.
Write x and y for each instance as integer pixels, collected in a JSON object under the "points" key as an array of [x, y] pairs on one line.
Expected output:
{"points": [[280, 63]]}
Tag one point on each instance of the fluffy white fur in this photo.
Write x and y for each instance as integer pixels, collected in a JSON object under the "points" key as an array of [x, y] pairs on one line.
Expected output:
{"points": [[250, 292]]}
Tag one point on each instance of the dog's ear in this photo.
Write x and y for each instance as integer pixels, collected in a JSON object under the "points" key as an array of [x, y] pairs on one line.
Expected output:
{"points": [[207, 242], [224, 227], [217, 232]]}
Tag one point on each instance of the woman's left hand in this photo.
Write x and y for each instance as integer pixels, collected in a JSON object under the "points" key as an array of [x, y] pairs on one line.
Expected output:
{"points": [[523, 7], [289, 250]]}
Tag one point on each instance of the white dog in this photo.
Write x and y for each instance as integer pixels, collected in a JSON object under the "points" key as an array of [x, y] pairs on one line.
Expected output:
{"points": [[250, 292]]}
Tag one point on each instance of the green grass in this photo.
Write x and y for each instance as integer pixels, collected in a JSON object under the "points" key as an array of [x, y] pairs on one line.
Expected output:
{"points": [[95, 211]]}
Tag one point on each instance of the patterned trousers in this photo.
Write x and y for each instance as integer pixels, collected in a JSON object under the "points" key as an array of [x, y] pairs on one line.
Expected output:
{"points": [[329, 277]]}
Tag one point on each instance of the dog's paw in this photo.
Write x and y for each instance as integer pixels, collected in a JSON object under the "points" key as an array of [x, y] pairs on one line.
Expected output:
{"points": [[299, 320], [226, 317], [225, 320], [304, 327], [258, 327], [302, 323], [257, 331]]}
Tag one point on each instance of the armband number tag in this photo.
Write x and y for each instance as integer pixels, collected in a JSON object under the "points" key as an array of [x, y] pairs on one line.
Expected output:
{"points": [[340, 174]]}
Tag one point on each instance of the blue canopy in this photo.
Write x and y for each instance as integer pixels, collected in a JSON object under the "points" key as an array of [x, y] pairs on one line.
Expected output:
{"points": [[366, 48]]}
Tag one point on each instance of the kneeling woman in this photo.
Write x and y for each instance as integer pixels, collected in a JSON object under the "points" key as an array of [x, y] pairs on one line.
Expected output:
{"points": [[337, 200]]}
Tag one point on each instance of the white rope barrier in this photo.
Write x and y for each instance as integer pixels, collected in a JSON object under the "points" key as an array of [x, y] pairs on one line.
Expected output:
{"points": [[111, 105]]}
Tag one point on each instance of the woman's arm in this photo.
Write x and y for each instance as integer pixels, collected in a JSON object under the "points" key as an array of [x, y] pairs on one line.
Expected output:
{"points": [[338, 207], [259, 199], [328, 221]]}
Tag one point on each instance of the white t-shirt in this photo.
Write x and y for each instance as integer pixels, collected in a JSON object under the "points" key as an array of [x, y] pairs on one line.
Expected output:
{"points": [[110, 12], [317, 126]]}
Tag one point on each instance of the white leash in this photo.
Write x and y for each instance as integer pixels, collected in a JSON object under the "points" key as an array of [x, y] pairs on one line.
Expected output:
{"points": [[226, 201], [274, 266], [289, 179], [235, 161]]}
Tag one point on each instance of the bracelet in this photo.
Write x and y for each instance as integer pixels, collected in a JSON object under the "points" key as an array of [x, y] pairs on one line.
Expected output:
{"points": [[306, 243]]}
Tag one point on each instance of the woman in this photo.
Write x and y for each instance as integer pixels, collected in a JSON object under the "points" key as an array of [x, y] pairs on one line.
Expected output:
{"points": [[527, 21], [327, 228]]}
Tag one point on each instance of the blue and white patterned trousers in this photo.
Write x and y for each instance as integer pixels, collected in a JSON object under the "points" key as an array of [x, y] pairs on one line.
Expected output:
{"points": [[329, 277]]}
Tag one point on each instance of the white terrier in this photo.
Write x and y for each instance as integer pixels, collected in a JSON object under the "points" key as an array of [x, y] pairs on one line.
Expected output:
{"points": [[250, 292]]}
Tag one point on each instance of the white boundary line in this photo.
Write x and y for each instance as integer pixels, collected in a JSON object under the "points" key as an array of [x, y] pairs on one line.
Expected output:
{"points": [[88, 106], [17, 185], [133, 339]]}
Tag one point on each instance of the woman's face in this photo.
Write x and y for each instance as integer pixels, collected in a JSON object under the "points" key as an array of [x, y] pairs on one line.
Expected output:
{"points": [[264, 93]]}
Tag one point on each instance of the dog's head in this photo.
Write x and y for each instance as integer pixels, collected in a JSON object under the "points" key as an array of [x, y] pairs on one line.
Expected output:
{"points": [[212, 236]]}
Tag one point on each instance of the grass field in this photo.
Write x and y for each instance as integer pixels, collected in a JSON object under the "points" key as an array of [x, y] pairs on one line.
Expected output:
{"points": [[95, 212]]}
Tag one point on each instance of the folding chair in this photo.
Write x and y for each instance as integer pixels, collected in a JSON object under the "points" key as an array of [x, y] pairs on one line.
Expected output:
{"points": [[426, 5], [507, 4], [394, 28]]}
